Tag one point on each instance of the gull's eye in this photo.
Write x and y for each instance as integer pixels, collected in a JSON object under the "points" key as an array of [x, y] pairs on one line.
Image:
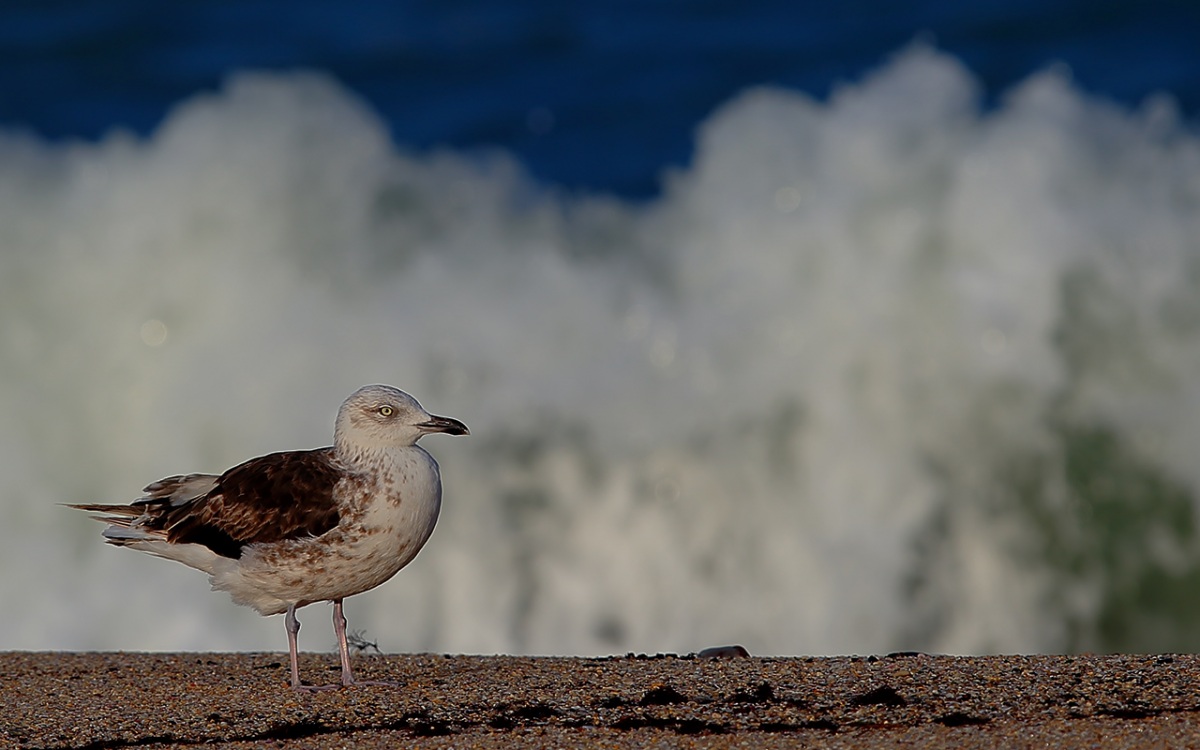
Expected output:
{"points": [[386, 411]]}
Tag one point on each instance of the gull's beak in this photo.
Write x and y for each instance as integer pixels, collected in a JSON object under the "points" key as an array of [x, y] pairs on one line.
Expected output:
{"points": [[444, 424]]}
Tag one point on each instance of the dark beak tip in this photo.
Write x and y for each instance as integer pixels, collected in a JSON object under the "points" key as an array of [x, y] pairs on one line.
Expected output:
{"points": [[447, 425]]}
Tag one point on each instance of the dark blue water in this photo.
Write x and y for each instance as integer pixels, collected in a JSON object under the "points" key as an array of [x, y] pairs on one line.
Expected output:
{"points": [[594, 95]]}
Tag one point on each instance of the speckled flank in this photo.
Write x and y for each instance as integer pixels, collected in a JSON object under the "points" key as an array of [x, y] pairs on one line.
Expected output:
{"points": [[383, 525]]}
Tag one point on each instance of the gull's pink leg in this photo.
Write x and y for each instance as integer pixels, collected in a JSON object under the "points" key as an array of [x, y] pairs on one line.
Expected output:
{"points": [[339, 627], [293, 629]]}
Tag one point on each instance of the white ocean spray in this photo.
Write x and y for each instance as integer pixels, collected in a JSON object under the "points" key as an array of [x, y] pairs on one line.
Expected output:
{"points": [[842, 388]]}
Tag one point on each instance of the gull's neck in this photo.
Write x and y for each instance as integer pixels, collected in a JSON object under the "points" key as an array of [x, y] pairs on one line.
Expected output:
{"points": [[364, 454]]}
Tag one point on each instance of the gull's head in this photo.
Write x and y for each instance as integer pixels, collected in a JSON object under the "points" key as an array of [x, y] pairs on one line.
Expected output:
{"points": [[380, 416]]}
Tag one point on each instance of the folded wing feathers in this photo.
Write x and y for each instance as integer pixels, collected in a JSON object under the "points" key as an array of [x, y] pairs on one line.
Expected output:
{"points": [[267, 499], [179, 490]]}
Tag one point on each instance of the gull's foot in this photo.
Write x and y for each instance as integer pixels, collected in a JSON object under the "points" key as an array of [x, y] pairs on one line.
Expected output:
{"points": [[302, 688], [374, 683]]}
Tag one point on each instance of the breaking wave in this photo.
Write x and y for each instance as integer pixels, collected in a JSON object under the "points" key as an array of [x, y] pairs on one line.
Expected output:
{"points": [[891, 370]]}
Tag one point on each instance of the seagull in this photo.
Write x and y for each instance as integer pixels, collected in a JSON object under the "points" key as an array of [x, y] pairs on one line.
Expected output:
{"points": [[285, 530]]}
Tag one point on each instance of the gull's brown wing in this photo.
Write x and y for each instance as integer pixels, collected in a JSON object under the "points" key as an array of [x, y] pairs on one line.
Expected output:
{"points": [[267, 499]]}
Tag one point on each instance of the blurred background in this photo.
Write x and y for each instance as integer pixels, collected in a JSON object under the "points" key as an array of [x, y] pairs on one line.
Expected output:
{"points": [[821, 328]]}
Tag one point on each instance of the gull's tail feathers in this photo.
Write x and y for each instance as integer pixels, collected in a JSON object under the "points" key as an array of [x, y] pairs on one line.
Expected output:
{"points": [[120, 518], [128, 527], [137, 520], [123, 535]]}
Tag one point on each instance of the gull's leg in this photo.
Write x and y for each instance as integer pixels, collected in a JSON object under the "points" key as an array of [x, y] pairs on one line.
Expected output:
{"points": [[293, 629], [339, 627]]}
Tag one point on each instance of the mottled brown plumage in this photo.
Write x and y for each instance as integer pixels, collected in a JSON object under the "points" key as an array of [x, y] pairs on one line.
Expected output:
{"points": [[267, 499]]}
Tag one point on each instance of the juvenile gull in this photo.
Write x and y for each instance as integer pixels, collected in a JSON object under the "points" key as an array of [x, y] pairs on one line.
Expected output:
{"points": [[285, 530]]}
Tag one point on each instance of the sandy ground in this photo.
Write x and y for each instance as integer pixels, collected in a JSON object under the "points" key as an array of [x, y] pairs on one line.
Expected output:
{"points": [[116, 700]]}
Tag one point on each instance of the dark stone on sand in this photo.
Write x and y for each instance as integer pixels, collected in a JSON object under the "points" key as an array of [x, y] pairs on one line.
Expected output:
{"points": [[724, 652], [67, 700], [764, 693], [662, 695], [884, 696], [959, 719]]}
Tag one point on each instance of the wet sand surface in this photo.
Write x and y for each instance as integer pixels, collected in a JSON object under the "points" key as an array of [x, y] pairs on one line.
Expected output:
{"points": [[115, 700]]}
